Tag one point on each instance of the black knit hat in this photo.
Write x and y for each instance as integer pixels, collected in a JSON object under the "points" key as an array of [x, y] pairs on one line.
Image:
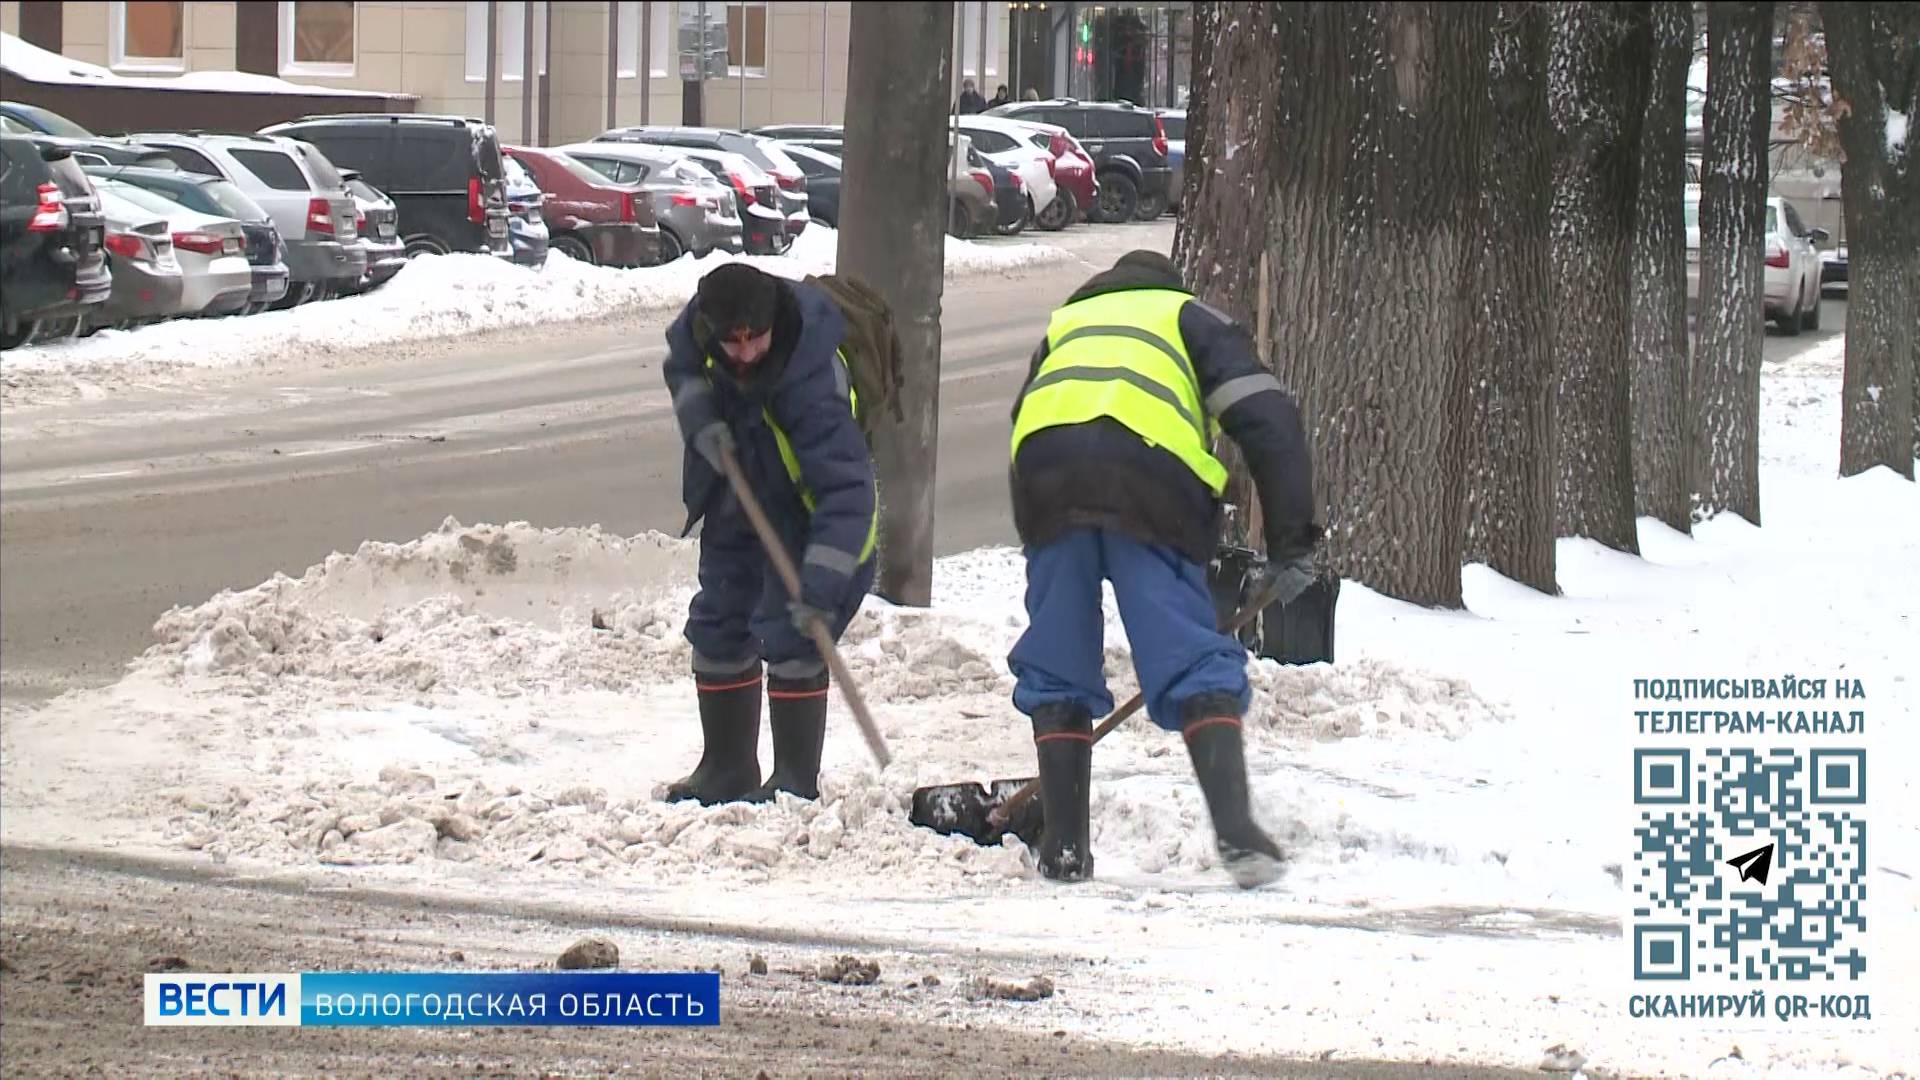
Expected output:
{"points": [[737, 297]]}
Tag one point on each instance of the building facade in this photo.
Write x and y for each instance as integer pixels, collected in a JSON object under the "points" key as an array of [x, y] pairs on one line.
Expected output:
{"points": [[543, 73]]}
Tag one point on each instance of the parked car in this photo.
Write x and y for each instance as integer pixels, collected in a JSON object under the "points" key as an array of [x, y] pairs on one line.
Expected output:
{"points": [[1833, 270], [1129, 146], [823, 181], [1009, 194], [695, 212], [215, 276], [445, 173], [526, 226], [823, 137], [317, 220], [971, 206], [763, 152], [99, 151], [378, 227], [1174, 123], [590, 217], [44, 121], [1073, 174], [148, 285], [763, 221], [1004, 142], [53, 263], [213, 195], [1792, 289]]}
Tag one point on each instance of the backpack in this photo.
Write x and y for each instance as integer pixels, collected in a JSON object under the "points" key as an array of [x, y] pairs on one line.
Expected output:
{"points": [[871, 347]]}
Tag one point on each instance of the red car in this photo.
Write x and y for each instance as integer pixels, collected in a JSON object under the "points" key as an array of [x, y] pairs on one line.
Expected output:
{"points": [[1072, 167], [589, 217]]}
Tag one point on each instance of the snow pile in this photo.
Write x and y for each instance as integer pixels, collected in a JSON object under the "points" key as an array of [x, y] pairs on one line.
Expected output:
{"points": [[437, 297]]}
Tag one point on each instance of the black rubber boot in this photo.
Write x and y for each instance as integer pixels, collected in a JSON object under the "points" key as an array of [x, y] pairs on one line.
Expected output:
{"points": [[1247, 853], [1063, 741], [730, 724], [797, 713]]}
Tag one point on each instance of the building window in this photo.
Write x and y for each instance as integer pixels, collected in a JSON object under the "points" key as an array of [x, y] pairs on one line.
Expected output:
{"points": [[629, 44], [513, 40], [666, 35], [747, 38], [979, 23], [317, 38], [147, 36], [477, 40]]}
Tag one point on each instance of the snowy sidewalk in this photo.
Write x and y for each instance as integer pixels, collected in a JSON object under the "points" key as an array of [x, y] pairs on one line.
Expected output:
{"points": [[493, 710], [436, 297]]}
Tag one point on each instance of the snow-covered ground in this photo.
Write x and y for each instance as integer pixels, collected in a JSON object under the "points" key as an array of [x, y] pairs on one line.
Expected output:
{"points": [[494, 709], [432, 297]]}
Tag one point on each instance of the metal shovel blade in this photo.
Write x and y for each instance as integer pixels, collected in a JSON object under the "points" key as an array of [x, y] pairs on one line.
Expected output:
{"points": [[967, 810]]}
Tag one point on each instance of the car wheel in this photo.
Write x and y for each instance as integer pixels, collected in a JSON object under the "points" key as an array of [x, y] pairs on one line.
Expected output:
{"points": [[671, 247], [1119, 198], [1813, 309], [1015, 228], [1790, 322], [573, 248], [424, 245], [1151, 207], [1058, 214], [959, 221]]}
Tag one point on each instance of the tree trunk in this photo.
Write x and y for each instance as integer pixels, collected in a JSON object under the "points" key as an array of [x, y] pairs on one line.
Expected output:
{"points": [[1509, 518], [896, 172], [1373, 244], [1597, 89], [1873, 50], [1725, 391], [1661, 449], [1223, 227]]}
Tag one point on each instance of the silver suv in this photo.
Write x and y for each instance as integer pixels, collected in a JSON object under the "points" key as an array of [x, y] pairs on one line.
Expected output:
{"points": [[315, 217]]}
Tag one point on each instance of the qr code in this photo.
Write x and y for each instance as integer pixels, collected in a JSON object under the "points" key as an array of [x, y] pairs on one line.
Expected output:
{"points": [[1750, 864]]}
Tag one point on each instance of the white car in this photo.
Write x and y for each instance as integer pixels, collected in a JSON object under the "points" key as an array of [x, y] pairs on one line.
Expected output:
{"points": [[1007, 143], [1792, 289], [216, 278]]}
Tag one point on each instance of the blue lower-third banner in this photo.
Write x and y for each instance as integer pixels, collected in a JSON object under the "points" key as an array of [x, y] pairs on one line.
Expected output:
{"points": [[383, 999]]}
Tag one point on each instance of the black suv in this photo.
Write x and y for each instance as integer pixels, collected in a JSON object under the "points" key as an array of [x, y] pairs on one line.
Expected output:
{"points": [[444, 173], [53, 262], [1129, 148]]}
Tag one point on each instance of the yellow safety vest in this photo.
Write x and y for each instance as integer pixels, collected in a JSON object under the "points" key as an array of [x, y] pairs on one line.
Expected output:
{"points": [[792, 461], [1119, 355]]}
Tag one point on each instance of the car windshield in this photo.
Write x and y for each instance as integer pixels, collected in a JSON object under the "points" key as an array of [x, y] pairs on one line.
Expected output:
{"points": [[322, 168], [360, 189], [231, 201], [1176, 127], [145, 200], [577, 171], [55, 124]]}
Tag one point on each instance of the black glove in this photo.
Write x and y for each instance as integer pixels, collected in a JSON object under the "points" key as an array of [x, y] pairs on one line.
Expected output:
{"points": [[711, 441], [1283, 581]]}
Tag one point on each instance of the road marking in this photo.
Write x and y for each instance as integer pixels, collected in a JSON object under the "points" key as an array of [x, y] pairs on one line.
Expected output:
{"points": [[104, 475], [332, 450]]}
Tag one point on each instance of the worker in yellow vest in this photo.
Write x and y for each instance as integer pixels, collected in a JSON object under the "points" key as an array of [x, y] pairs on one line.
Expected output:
{"points": [[1113, 478], [756, 371]]}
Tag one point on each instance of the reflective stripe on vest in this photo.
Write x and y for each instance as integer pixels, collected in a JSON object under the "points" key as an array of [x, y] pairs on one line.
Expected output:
{"points": [[1120, 356], [792, 460]]}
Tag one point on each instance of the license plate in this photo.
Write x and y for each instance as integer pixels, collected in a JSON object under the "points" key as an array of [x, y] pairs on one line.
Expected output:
{"points": [[385, 230], [96, 238]]}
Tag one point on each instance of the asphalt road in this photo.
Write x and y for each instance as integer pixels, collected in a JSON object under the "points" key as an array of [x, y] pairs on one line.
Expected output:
{"points": [[113, 511]]}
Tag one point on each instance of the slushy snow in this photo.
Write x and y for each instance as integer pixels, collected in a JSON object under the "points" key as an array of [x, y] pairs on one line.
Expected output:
{"points": [[493, 710]]}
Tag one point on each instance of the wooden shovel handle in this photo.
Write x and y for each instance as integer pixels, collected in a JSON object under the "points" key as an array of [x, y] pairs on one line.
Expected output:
{"points": [[790, 576]]}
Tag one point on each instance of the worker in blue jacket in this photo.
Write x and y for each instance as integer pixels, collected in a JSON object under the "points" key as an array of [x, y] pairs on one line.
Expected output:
{"points": [[1114, 479], [754, 369]]}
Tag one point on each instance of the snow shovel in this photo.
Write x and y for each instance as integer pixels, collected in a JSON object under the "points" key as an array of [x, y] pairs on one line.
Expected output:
{"points": [[817, 630], [984, 814]]}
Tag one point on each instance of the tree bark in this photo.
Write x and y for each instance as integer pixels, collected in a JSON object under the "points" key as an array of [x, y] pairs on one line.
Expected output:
{"points": [[1725, 391], [896, 171], [1598, 75], [1373, 243], [1661, 449], [1223, 227], [1510, 474], [1873, 51]]}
